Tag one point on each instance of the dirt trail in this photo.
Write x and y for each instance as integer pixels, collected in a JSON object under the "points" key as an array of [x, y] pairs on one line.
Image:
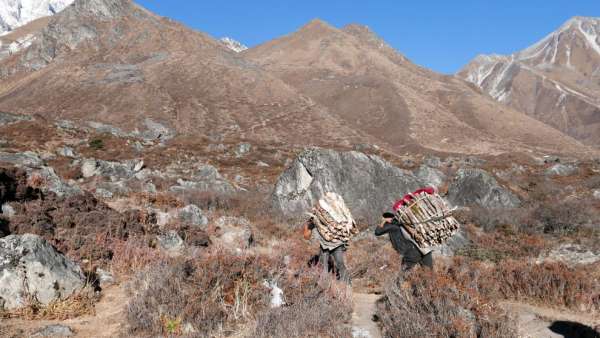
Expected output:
{"points": [[535, 321], [363, 325], [109, 320]]}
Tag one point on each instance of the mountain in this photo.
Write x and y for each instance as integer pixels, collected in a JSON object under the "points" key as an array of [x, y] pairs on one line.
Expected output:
{"points": [[113, 62], [556, 81], [234, 45], [16, 13], [372, 87]]}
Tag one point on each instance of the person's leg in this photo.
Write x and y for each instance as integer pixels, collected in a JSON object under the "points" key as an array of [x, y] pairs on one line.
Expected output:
{"points": [[324, 260], [411, 257], [338, 256], [427, 260]]}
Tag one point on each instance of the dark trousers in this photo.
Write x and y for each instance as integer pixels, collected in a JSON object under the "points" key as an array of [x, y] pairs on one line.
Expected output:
{"points": [[338, 258], [413, 257]]}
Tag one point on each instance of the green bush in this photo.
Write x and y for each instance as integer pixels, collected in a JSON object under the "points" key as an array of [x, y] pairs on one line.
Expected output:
{"points": [[96, 144]]}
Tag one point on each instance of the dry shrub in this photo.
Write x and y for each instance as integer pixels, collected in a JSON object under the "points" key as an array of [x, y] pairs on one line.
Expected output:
{"points": [[319, 307], [163, 200], [425, 303], [214, 293], [132, 255], [79, 304], [547, 283], [372, 262]]}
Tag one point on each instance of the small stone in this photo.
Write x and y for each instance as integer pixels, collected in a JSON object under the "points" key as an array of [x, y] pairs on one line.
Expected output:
{"points": [[55, 330], [193, 215], [66, 152], [596, 194], [262, 164], [105, 278], [562, 170], [171, 242], [103, 193], [8, 211], [243, 149], [138, 166]]}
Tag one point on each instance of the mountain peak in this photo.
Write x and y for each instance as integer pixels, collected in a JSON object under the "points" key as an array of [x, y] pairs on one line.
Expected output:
{"points": [[234, 45], [317, 25], [14, 14]]}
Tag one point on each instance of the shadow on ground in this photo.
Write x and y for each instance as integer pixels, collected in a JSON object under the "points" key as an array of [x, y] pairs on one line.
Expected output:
{"points": [[573, 330]]}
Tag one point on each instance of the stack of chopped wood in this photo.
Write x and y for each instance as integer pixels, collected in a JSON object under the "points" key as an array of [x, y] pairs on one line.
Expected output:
{"points": [[333, 219], [428, 220]]}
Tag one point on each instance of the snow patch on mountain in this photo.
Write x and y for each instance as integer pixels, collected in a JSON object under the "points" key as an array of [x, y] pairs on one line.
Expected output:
{"points": [[16, 13], [15, 46], [234, 45]]}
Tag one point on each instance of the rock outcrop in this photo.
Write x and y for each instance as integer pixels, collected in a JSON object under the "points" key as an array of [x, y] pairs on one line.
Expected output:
{"points": [[30, 266], [368, 184], [478, 187]]}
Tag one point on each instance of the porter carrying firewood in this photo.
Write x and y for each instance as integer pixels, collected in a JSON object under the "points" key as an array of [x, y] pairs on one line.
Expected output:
{"points": [[332, 224], [422, 221]]}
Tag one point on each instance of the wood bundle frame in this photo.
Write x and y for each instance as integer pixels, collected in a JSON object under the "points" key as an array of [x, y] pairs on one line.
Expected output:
{"points": [[428, 220], [331, 230]]}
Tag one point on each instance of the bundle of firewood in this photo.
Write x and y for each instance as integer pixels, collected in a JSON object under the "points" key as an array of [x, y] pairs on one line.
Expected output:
{"points": [[333, 219], [428, 219]]}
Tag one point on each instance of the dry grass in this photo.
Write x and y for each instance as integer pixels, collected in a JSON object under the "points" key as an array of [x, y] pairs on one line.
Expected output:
{"points": [[214, 293], [132, 255], [321, 308], [79, 304]]}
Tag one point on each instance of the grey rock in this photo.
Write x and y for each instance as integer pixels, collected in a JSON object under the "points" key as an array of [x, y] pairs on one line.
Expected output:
{"points": [[368, 184], [107, 129], [116, 188], [8, 211], [432, 161], [193, 215], [551, 159], [171, 242], [8, 118], [430, 176], [572, 254], [243, 149], [105, 278], [562, 170], [66, 152], [103, 193], [127, 169], [66, 124], [138, 146], [206, 178], [262, 164], [156, 131], [54, 330], [596, 194], [458, 241], [30, 265], [478, 187], [26, 159], [233, 233], [53, 183]]}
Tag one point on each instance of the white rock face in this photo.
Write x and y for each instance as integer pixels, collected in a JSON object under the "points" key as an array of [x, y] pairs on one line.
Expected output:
{"points": [[234, 45], [16, 13], [30, 265]]}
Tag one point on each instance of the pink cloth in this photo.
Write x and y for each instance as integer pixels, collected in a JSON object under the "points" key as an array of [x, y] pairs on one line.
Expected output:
{"points": [[408, 197]]}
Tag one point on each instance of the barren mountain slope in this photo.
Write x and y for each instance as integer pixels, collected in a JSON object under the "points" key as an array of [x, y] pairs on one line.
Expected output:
{"points": [[557, 80], [113, 62], [372, 87]]}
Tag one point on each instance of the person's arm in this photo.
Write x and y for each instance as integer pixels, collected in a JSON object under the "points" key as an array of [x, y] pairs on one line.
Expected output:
{"points": [[383, 228], [307, 230]]}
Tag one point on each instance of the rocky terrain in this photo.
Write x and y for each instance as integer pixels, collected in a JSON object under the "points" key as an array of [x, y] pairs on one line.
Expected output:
{"points": [[154, 182], [554, 81]]}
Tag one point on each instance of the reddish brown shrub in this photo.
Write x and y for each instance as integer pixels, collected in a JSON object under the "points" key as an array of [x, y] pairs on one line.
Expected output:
{"points": [[427, 303]]}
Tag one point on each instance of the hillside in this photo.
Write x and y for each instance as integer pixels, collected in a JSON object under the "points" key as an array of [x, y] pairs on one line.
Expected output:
{"points": [[370, 86], [557, 80]]}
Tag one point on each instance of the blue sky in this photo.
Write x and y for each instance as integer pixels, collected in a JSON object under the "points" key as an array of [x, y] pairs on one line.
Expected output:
{"points": [[442, 35]]}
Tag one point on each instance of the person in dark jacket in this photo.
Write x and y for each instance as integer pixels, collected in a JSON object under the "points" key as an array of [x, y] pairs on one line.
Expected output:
{"points": [[403, 243]]}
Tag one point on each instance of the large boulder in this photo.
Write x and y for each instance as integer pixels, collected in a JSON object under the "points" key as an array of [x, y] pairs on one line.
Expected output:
{"points": [[234, 233], [478, 187], [368, 184], [430, 176], [30, 266]]}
